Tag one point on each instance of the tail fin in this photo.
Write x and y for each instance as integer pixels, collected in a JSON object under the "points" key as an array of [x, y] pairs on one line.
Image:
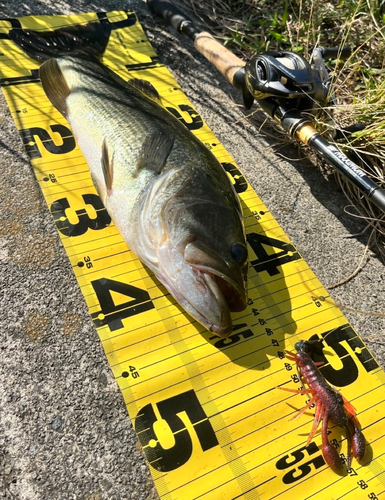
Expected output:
{"points": [[91, 38]]}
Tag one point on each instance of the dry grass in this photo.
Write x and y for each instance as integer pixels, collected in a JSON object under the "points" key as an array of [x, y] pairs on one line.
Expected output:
{"points": [[251, 26]]}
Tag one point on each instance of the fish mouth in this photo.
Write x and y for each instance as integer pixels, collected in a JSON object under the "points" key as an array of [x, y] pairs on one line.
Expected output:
{"points": [[208, 296], [223, 287], [235, 299], [229, 297], [204, 285]]}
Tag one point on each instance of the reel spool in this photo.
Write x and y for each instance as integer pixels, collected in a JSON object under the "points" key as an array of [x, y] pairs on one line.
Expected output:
{"points": [[285, 75]]}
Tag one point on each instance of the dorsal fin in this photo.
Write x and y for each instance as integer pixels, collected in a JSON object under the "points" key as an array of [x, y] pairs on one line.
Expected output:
{"points": [[156, 149], [107, 166], [91, 38], [55, 85], [146, 88]]}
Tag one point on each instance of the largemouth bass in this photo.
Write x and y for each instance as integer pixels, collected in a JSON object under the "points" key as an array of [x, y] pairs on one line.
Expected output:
{"points": [[168, 195]]}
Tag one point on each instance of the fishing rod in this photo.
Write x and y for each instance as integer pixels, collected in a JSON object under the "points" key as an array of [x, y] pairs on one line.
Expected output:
{"points": [[285, 85]]}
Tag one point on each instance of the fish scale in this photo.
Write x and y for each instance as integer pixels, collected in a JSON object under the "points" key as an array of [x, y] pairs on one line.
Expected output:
{"points": [[106, 113], [147, 166]]}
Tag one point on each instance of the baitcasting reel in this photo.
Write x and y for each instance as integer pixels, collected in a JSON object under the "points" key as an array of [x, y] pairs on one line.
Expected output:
{"points": [[289, 89], [286, 75]]}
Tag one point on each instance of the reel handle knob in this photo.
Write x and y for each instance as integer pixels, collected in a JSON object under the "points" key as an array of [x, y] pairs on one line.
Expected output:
{"points": [[342, 53]]}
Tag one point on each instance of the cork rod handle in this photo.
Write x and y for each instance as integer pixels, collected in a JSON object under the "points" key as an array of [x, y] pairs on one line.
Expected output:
{"points": [[225, 61]]}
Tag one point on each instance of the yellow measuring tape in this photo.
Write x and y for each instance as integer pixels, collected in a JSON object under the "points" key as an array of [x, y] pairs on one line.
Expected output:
{"points": [[206, 410]]}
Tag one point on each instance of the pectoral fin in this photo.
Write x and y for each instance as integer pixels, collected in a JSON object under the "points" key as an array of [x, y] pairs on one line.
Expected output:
{"points": [[107, 167], [156, 149]]}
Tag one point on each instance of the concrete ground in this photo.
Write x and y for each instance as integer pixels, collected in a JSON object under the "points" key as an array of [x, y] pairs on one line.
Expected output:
{"points": [[64, 430]]}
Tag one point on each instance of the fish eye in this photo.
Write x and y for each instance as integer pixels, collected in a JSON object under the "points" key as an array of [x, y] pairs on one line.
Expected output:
{"points": [[239, 252]]}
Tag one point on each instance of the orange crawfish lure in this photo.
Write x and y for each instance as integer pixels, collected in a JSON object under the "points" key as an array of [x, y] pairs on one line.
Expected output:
{"points": [[330, 405]]}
